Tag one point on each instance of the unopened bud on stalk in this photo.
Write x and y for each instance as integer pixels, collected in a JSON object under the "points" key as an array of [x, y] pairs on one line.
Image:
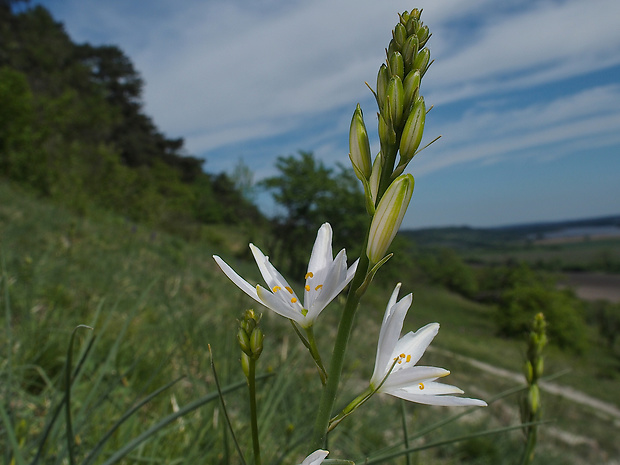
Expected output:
{"points": [[244, 341], [400, 34], [375, 177], [423, 35], [256, 342], [396, 97], [387, 136], [421, 60], [397, 65], [533, 398], [383, 79], [388, 217], [410, 51], [245, 364], [359, 147], [412, 132], [412, 88]]}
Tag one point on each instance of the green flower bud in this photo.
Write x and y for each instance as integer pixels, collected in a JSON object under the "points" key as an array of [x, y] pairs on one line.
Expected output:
{"points": [[396, 65], [359, 147], [529, 372], [245, 364], [387, 136], [412, 132], [244, 341], [396, 99], [392, 48], [421, 60], [412, 88], [415, 13], [404, 18], [423, 34], [383, 79], [410, 50], [375, 178], [540, 366], [388, 217], [533, 398], [256, 343], [400, 35]]}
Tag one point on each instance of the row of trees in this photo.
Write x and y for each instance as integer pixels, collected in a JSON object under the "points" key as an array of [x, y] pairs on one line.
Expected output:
{"points": [[72, 127]]}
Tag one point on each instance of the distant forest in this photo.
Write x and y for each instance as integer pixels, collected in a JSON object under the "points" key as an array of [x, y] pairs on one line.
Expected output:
{"points": [[73, 128]]}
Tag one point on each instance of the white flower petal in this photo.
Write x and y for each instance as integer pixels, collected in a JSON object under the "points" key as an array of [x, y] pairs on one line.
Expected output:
{"points": [[411, 376], [235, 278], [445, 401], [388, 335], [316, 458], [415, 344], [278, 303], [321, 255]]}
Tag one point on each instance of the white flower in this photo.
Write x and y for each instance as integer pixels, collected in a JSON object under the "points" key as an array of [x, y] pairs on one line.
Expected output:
{"points": [[316, 458], [325, 279], [400, 355]]}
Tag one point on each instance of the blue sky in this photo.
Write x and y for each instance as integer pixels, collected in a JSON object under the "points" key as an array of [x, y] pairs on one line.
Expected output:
{"points": [[526, 94]]}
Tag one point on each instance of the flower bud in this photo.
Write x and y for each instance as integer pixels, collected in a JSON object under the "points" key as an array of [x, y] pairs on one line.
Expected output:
{"points": [[375, 177], [245, 364], [421, 60], [412, 88], [540, 367], [383, 79], [396, 65], [529, 372], [412, 132], [396, 99], [400, 35], [533, 398], [256, 343], [410, 50], [423, 35], [244, 341], [415, 13], [359, 147], [388, 217], [387, 136]]}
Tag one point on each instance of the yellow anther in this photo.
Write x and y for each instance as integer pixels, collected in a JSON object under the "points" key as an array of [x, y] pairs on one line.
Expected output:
{"points": [[293, 300], [421, 386], [318, 287], [309, 275], [307, 288], [289, 289], [402, 355], [408, 358], [276, 289]]}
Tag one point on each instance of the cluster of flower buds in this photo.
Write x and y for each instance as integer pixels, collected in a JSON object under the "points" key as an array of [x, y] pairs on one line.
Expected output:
{"points": [[533, 369], [401, 117], [250, 338]]}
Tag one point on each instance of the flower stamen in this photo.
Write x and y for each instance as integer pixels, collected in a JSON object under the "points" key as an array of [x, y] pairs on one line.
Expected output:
{"points": [[276, 289], [421, 386]]}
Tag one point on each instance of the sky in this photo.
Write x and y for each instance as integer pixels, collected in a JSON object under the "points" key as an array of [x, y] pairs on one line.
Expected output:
{"points": [[525, 93]]}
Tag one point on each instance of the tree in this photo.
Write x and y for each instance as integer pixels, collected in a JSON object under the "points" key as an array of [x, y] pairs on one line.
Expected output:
{"points": [[311, 194]]}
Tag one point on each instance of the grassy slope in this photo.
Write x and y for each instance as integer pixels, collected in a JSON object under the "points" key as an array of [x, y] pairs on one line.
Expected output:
{"points": [[168, 300]]}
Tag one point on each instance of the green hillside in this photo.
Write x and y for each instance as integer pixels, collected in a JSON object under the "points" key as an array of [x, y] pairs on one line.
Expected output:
{"points": [[156, 301]]}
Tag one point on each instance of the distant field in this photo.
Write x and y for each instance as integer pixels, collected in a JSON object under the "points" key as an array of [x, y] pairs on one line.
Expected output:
{"points": [[595, 286]]}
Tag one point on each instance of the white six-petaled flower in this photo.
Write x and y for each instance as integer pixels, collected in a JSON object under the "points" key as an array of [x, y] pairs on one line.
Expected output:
{"points": [[396, 372], [325, 279], [316, 458]]}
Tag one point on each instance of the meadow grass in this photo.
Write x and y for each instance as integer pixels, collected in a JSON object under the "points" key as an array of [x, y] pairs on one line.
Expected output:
{"points": [[155, 302]]}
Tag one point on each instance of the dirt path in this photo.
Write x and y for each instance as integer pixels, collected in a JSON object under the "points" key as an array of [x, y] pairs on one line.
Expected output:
{"points": [[553, 388]]}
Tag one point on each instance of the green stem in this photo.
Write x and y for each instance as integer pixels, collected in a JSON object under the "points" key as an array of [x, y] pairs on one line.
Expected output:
{"points": [[352, 407], [330, 390], [253, 411], [314, 351]]}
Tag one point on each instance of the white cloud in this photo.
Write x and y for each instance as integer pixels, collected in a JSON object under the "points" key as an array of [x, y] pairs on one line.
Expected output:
{"points": [[223, 73]]}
